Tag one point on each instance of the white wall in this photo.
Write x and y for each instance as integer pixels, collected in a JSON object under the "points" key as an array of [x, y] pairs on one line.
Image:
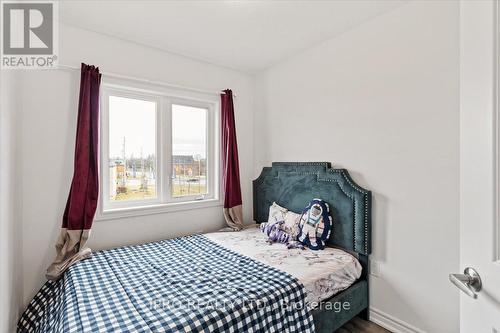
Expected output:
{"points": [[48, 123], [10, 248], [382, 100]]}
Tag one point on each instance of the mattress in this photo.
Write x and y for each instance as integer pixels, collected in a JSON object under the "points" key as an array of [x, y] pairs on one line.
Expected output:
{"points": [[323, 273]]}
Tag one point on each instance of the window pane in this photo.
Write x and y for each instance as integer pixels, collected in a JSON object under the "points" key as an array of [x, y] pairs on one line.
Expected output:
{"points": [[132, 149], [189, 150]]}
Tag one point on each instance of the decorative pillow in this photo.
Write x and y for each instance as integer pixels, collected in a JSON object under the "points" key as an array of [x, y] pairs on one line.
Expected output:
{"points": [[276, 213], [274, 232], [315, 225], [291, 225]]}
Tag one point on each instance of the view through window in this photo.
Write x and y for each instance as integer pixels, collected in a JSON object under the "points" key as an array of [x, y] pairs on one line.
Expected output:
{"points": [[132, 149], [189, 151]]}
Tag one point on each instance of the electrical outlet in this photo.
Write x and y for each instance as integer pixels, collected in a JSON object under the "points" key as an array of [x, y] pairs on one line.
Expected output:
{"points": [[375, 268]]}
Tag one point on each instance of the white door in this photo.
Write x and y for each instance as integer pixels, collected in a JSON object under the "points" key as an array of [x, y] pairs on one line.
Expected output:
{"points": [[479, 146]]}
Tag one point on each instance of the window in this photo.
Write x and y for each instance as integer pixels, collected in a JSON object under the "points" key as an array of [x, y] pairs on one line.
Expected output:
{"points": [[158, 151], [189, 151], [132, 149]]}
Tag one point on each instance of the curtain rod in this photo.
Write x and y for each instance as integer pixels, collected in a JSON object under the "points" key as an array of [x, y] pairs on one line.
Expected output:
{"points": [[160, 83]]}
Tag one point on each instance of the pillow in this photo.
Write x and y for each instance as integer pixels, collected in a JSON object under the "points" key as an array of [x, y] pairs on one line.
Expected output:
{"points": [[291, 225], [276, 213], [274, 232], [315, 225], [282, 225]]}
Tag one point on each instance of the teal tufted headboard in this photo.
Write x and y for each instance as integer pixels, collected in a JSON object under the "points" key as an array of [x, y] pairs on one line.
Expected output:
{"points": [[294, 184]]}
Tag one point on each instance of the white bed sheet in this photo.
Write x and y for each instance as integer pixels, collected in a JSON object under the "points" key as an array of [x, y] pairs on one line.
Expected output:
{"points": [[323, 273]]}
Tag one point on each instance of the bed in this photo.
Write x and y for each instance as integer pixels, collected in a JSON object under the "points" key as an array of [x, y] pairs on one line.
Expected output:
{"points": [[224, 282], [291, 184], [322, 273]]}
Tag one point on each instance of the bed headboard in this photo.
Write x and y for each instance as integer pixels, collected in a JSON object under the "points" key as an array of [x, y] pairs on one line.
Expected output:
{"points": [[294, 184]]}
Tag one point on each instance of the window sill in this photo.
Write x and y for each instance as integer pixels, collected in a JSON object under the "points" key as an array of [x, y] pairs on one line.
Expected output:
{"points": [[118, 213]]}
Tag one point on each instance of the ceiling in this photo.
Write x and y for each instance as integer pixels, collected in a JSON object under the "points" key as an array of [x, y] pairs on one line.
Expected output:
{"points": [[245, 35]]}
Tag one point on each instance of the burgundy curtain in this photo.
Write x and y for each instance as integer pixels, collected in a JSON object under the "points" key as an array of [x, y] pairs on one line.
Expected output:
{"points": [[84, 191], [230, 165]]}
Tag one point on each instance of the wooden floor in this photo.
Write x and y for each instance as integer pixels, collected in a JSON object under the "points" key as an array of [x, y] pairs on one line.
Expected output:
{"points": [[358, 325]]}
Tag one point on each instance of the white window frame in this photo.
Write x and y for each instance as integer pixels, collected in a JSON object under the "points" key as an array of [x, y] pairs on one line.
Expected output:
{"points": [[164, 201]]}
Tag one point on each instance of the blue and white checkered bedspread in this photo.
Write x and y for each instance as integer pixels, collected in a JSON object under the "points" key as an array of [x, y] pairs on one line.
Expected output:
{"points": [[187, 284]]}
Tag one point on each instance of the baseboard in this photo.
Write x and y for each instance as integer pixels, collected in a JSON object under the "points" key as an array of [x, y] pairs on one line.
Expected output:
{"points": [[391, 323]]}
